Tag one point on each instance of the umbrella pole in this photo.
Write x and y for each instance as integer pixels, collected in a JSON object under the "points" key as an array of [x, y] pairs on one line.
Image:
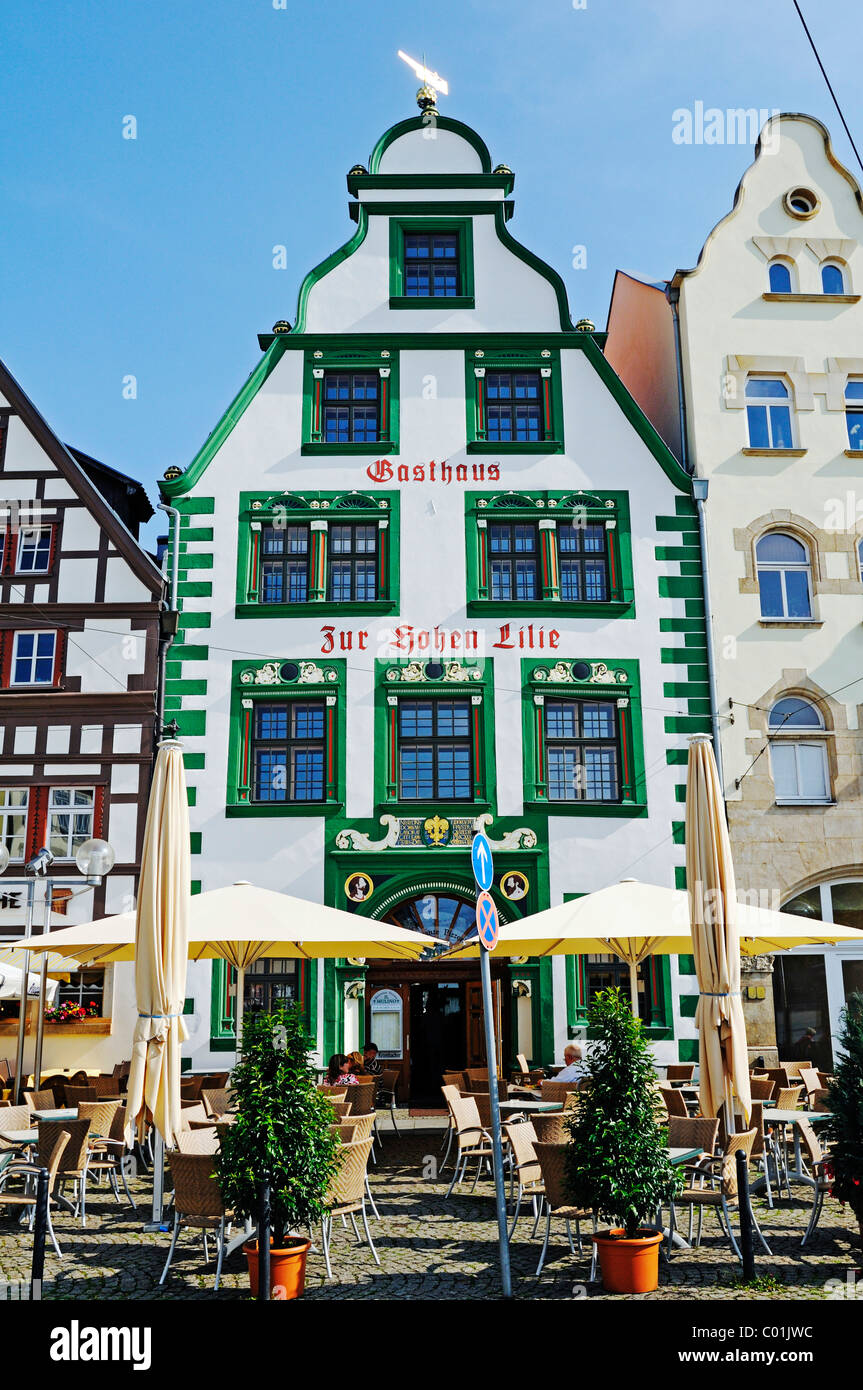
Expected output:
{"points": [[633, 987], [238, 1005], [43, 990], [25, 1000]]}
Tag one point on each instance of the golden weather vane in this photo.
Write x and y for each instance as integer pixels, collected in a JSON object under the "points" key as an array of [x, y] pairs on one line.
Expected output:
{"points": [[426, 75]]}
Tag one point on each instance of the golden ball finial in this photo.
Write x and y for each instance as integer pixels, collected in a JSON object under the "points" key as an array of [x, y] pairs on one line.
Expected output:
{"points": [[426, 98]]}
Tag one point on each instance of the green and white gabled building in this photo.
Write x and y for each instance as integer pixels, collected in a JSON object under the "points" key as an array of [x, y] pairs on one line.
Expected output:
{"points": [[436, 569]]}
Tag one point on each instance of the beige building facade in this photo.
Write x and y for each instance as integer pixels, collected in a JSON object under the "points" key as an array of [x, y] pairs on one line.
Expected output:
{"points": [[765, 406]]}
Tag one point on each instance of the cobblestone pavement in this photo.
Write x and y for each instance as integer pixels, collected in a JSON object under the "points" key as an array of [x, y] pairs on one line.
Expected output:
{"points": [[429, 1249]]}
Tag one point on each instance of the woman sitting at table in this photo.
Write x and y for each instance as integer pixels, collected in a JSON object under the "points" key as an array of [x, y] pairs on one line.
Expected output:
{"points": [[339, 1072]]}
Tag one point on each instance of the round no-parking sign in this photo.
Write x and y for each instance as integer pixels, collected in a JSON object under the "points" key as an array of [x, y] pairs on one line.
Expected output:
{"points": [[487, 921]]}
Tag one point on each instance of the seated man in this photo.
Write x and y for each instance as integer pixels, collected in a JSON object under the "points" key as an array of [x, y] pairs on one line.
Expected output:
{"points": [[371, 1065], [574, 1069]]}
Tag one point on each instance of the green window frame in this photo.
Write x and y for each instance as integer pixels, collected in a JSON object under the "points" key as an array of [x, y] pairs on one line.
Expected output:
{"points": [[317, 515], [482, 366], [659, 1024], [223, 977], [321, 364], [434, 678], [584, 680], [553, 516], [462, 227], [280, 681]]}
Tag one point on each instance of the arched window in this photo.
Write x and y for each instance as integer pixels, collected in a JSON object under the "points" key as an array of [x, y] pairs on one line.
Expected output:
{"points": [[779, 275], [854, 412], [832, 278], [446, 915], [784, 576], [800, 772], [768, 413]]}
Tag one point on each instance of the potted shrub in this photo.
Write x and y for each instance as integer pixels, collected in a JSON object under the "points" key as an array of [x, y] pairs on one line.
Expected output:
{"points": [[617, 1162], [845, 1099], [281, 1134]]}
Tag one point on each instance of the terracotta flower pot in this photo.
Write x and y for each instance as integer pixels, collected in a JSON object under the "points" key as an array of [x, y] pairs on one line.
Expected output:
{"points": [[629, 1266], [287, 1268]]}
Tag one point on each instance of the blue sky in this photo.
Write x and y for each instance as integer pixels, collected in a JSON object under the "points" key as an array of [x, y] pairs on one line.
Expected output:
{"points": [[154, 257]]}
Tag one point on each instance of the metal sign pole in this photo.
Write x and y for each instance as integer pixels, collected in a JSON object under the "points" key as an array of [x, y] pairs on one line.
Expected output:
{"points": [[487, 928], [497, 1145]]}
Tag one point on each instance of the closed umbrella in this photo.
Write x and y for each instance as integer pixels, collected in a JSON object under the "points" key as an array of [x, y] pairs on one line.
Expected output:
{"points": [[724, 1069], [160, 946]]}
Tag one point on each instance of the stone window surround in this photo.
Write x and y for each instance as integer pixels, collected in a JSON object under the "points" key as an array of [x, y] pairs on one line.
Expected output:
{"points": [[834, 249], [795, 682], [817, 540], [805, 385]]}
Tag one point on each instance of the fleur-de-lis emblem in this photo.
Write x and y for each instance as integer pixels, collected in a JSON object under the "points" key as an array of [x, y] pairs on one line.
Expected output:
{"points": [[437, 829]]}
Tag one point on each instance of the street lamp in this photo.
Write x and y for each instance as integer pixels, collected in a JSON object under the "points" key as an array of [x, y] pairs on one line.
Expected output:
{"points": [[94, 859]]}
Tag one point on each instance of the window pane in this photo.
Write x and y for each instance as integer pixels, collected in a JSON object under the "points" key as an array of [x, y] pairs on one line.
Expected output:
{"points": [[778, 546], [597, 721], [770, 588], [780, 427], [800, 1001], [501, 579], [811, 770], [600, 766], [308, 774], [784, 766], [758, 435], [560, 720], [832, 280], [792, 713], [763, 388], [797, 593], [525, 579], [854, 421], [847, 899], [561, 774], [780, 278]]}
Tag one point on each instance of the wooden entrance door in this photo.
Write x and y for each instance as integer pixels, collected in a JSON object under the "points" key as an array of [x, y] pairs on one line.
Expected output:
{"points": [[476, 1027]]}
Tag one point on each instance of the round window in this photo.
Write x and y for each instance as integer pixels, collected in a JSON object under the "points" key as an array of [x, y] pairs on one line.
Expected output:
{"points": [[801, 202]]}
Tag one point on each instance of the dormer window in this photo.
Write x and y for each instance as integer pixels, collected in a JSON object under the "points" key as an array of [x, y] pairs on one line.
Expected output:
{"points": [[431, 263], [832, 279], [779, 277]]}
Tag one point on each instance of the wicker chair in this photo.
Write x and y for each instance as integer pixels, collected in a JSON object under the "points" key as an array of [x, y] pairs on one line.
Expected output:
{"points": [[680, 1071], [362, 1096], [471, 1074], [190, 1087], [189, 1114], [107, 1155], [197, 1203], [76, 1157], [385, 1095], [716, 1197], [217, 1102], [698, 1132], [762, 1088], [674, 1103], [819, 1168], [334, 1092], [816, 1094], [555, 1202], [346, 1195], [451, 1092], [40, 1100], [215, 1080], [525, 1169], [198, 1141], [795, 1068], [788, 1098], [557, 1090], [106, 1087], [472, 1140], [551, 1127], [13, 1117], [342, 1108], [53, 1140], [75, 1095]]}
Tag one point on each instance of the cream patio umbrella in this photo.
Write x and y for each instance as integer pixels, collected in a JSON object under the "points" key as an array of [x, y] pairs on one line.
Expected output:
{"points": [[12, 978], [714, 914], [633, 920], [159, 946], [241, 924]]}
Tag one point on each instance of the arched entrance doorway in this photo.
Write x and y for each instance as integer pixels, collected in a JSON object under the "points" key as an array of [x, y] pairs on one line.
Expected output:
{"points": [[427, 1018]]}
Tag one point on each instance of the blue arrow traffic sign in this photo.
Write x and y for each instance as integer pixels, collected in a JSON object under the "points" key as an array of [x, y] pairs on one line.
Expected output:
{"points": [[481, 860], [487, 921]]}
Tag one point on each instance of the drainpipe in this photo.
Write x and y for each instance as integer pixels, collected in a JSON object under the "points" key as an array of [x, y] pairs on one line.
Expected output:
{"points": [[699, 491], [168, 617]]}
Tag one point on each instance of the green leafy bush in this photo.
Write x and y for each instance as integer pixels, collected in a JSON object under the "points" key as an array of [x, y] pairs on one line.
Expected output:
{"points": [[282, 1127], [617, 1161], [845, 1129]]}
